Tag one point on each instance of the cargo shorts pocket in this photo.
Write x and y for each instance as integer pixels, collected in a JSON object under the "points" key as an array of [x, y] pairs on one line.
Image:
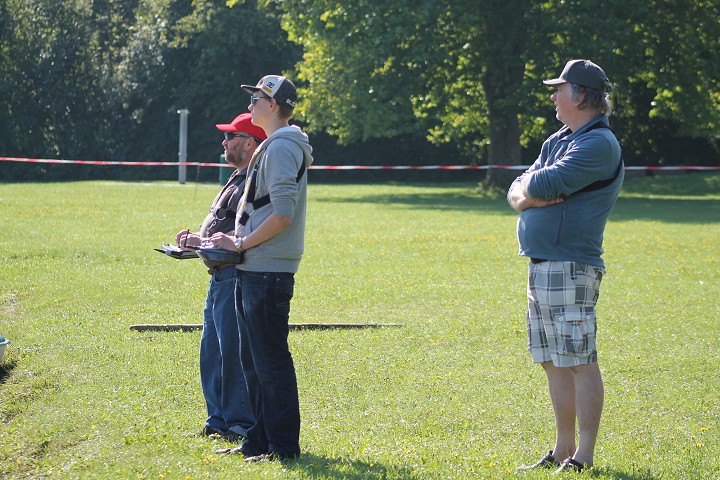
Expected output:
{"points": [[575, 327]]}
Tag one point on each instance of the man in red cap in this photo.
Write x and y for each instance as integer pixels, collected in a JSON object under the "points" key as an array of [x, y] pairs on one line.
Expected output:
{"points": [[221, 375]]}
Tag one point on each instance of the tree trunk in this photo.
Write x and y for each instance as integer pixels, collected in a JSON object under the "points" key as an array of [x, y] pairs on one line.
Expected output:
{"points": [[504, 150], [502, 81]]}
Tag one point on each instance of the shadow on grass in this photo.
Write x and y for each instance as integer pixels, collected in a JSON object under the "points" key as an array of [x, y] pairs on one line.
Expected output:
{"points": [[6, 369], [670, 210], [620, 475], [457, 197], [667, 210], [313, 466]]}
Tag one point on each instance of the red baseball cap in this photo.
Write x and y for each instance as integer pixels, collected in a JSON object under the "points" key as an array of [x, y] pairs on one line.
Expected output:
{"points": [[243, 123]]}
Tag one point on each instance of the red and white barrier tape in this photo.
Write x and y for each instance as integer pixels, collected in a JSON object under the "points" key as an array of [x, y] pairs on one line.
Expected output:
{"points": [[330, 167]]}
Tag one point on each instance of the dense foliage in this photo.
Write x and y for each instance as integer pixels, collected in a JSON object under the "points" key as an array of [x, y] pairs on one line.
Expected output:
{"points": [[469, 71], [457, 79], [104, 80]]}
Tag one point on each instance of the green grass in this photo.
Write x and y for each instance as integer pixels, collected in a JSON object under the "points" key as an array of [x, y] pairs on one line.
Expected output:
{"points": [[451, 394]]}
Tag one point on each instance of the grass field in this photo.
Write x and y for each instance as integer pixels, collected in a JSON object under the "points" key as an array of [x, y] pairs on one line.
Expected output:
{"points": [[450, 394]]}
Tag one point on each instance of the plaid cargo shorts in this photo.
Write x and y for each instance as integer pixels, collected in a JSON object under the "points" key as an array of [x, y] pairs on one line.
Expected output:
{"points": [[561, 312]]}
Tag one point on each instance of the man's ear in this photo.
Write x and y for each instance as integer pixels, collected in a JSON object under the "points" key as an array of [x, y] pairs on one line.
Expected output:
{"points": [[581, 96]]}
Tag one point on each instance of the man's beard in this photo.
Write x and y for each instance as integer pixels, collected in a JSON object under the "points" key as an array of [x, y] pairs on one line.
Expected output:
{"points": [[234, 158]]}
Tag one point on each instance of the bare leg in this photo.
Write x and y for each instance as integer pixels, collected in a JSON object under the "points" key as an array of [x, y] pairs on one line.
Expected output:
{"points": [[590, 393], [561, 383]]}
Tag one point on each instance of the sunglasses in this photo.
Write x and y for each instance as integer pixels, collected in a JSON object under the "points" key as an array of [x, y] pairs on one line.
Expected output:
{"points": [[253, 99], [229, 135]]}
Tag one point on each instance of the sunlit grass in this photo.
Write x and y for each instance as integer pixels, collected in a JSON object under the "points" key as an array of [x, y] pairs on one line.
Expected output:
{"points": [[449, 394]]}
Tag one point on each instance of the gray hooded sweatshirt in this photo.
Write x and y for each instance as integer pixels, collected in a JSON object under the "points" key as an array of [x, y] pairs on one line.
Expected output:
{"points": [[278, 161]]}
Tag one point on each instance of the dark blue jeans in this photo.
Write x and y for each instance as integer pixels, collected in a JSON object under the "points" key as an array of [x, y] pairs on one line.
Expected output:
{"points": [[221, 376], [263, 301]]}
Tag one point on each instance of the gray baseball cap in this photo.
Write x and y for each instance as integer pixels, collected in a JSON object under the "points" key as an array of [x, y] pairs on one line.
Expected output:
{"points": [[277, 87], [582, 72]]}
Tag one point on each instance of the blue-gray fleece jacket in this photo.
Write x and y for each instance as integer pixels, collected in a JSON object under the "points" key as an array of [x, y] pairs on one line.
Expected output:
{"points": [[569, 162], [279, 159]]}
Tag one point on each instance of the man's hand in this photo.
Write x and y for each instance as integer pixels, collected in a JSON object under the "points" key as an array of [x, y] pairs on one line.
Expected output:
{"points": [[223, 241], [186, 238]]}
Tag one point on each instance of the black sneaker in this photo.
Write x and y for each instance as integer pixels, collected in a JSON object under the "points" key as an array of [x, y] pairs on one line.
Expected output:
{"points": [[263, 457], [569, 465], [232, 437], [548, 461], [245, 450], [271, 457], [229, 451], [248, 451], [210, 432]]}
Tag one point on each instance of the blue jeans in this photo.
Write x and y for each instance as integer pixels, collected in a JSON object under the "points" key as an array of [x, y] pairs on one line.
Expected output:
{"points": [[221, 375], [263, 301]]}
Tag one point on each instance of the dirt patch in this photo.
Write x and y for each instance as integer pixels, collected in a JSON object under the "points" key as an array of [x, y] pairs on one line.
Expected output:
{"points": [[9, 303]]}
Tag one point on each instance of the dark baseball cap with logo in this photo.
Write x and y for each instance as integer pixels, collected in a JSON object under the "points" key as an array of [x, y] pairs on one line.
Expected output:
{"points": [[584, 73], [277, 87]]}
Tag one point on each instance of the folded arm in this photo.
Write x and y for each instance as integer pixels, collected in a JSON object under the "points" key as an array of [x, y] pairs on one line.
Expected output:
{"points": [[519, 198]]}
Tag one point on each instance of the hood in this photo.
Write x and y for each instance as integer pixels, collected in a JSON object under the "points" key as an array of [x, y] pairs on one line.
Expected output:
{"points": [[294, 133]]}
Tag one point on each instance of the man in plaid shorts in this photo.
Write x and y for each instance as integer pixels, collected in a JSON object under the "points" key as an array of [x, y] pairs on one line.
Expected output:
{"points": [[564, 200]]}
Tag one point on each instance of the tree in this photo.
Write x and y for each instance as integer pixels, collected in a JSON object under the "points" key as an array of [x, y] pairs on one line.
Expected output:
{"points": [[217, 48], [662, 57], [469, 71], [60, 77], [450, 68], [104, 79]]}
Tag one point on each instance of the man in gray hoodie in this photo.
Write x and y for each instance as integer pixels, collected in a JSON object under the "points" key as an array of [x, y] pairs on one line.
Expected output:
{"points": [[270, 232], [564, 200]]}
